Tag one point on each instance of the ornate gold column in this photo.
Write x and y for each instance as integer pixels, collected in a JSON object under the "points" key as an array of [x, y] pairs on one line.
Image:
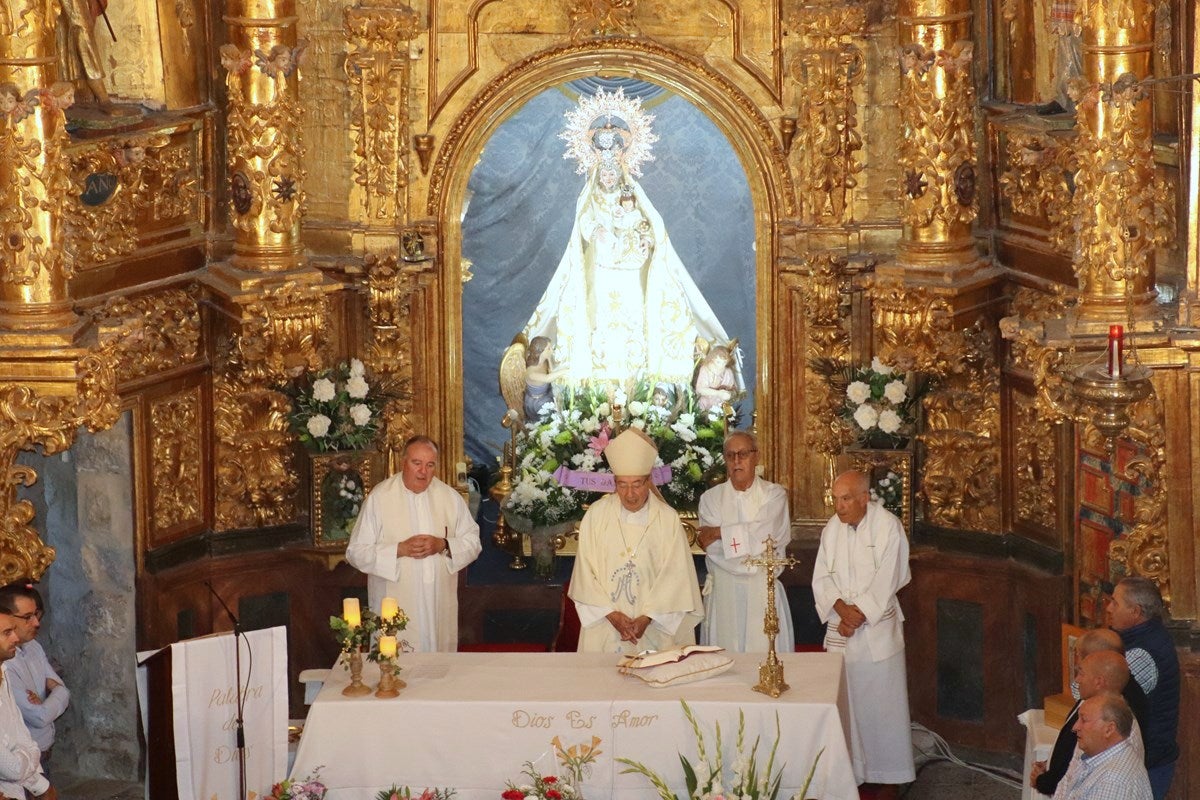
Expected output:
{"points": [[1120, 212], [50, 380], [937, 149], [379, 33], [33, 176], [265, 173], [934, 305], [274, 305]]}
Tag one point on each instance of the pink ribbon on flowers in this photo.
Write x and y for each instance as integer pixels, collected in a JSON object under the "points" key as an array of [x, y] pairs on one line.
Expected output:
{"points": [[602, 481]]}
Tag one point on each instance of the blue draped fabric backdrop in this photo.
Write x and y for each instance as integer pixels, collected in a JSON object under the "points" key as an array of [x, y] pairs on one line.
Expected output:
{"points": [[518, 214]]}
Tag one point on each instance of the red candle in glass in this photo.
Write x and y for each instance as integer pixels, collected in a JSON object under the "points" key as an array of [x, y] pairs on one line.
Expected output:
{"points": [[1116, 350]]}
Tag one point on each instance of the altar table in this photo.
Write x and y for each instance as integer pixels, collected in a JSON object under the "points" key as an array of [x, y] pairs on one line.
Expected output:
{"points": [[469, 721]]}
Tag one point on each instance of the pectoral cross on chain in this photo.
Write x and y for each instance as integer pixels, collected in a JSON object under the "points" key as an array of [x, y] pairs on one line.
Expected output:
{"points": [[770, 672]]}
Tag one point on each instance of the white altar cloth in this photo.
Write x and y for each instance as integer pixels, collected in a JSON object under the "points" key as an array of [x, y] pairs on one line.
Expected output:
{"points": [[469, 721]]}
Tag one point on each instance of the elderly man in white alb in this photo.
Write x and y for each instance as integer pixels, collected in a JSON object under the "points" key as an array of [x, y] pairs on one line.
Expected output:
{"points": [[412, 537], [634, 583], [861, 564], [736, 519]]}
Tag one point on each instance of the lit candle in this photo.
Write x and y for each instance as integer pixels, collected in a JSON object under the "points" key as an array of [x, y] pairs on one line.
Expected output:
{"points": [[1116, 350], [351, 612], [387, 646], [388, 608]]}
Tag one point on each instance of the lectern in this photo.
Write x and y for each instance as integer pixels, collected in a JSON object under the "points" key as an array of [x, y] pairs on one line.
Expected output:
{"points": [[189, 697]]}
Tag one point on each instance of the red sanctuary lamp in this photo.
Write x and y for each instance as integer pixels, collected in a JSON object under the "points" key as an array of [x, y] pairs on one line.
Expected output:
{"points": [[1116, 351]]}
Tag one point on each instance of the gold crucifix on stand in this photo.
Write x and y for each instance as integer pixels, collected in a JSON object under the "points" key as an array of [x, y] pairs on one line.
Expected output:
{"points": [[770, 672]]}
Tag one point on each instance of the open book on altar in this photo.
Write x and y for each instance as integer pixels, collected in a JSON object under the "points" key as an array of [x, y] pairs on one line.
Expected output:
{"points": [[653, 658], [678, 665]]}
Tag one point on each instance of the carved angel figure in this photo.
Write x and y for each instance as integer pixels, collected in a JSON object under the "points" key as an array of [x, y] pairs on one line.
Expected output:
{"points": [[13, 105], [235, 61], [282, 61]]}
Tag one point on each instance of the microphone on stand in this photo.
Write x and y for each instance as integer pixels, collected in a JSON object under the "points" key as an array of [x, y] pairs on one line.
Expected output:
{"points": [[237, 666]]}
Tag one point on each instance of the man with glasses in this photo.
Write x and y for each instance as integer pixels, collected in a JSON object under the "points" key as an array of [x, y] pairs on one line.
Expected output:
{"points": [[20, 767], [861, 564], [634, 583], [37, 688], [736, 520]]}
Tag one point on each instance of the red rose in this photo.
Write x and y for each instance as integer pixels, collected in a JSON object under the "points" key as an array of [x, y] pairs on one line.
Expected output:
{"points": [[549, 779], [553, 794], [513, 794]]}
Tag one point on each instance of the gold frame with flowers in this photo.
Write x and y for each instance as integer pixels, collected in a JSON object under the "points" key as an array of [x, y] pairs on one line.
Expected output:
{"points": [[362, 462], [871, 461]]}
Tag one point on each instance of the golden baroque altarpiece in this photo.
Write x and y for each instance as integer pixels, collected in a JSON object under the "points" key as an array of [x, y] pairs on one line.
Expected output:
{"points": [[909, 203]]}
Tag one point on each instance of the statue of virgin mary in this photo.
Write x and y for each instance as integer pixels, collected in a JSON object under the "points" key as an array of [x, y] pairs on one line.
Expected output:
{"points": [[621, 304]]}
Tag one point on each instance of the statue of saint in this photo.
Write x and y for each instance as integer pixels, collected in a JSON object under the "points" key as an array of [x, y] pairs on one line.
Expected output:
{"points": [[621, 305], [78, 56]]}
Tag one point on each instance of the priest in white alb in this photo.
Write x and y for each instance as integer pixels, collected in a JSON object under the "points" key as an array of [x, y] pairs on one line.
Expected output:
{"points": [[736, 520], [861, 564], [634, 583], [412, 536]]}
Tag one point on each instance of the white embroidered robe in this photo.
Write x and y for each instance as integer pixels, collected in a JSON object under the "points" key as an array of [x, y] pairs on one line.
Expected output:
{"points": [[641, 565], [735, 593], [425, 588]]}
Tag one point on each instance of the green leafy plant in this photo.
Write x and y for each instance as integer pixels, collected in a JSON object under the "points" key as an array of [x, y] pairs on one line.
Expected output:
{"points": [[706, 778]]}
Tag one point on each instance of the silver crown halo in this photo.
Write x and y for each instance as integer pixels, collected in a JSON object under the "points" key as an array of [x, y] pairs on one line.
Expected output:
{"points": [[581, 129]]}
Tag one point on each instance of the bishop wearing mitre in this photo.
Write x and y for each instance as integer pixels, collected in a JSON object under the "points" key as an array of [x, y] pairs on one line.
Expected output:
{"points": [[634, 583]]}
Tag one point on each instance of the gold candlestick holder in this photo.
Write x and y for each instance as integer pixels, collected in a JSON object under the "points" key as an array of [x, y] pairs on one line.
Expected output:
{"points": [[356, 688], [770, 672], [389, 684]]}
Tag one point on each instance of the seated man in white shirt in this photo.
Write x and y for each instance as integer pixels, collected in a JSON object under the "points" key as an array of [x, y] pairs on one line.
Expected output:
{"points": [[20, 759], [38, 690]]}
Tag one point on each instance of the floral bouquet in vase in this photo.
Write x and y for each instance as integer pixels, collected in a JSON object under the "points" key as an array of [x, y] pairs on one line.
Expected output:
{"points": [[879, 406], [337, 409], [309, 788]]}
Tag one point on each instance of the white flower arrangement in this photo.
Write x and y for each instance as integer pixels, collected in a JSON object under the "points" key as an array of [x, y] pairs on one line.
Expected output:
{"points": [[879, 405], [337, 409], [887, 491], [576, 434]]}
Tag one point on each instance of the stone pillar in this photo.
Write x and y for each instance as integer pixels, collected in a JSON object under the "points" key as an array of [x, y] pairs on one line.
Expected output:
{"points": [[33, 181], [265, 170], [1119, 212], [937, 148]]}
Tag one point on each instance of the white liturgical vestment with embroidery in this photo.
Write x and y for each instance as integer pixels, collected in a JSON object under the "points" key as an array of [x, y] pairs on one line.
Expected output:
{"points": [[735, 593], [426, 589], [637, 563]]}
